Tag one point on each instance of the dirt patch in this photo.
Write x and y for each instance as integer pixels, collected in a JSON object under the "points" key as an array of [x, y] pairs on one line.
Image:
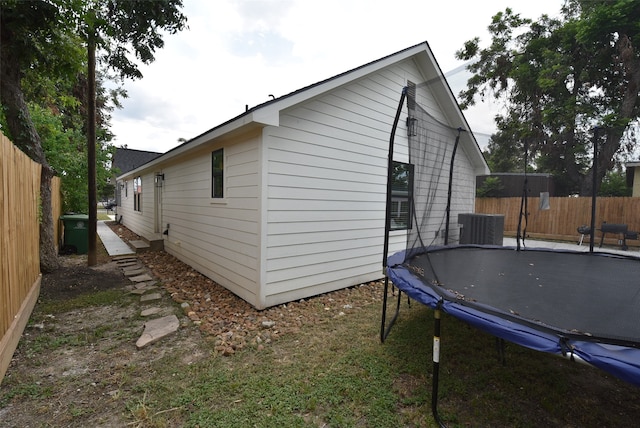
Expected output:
{"points": [[69, 366], [77, 278]]}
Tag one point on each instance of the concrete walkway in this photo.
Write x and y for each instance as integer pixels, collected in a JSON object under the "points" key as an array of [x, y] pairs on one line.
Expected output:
{"points": [[112, 242], [142, 284]]}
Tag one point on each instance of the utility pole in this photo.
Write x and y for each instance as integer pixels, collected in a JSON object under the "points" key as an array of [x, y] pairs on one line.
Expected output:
{"points": [[91, 143]]}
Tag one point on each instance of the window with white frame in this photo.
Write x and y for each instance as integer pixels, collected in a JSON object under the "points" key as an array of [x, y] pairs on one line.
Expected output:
{"points": [[137, 193], [401, 195]]}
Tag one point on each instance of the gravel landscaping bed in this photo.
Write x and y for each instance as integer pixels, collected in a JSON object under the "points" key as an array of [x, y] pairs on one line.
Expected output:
{"points": [[232, 322]]}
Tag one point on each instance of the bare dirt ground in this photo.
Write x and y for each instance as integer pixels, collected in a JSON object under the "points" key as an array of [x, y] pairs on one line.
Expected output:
{"points": [[68, 366]]}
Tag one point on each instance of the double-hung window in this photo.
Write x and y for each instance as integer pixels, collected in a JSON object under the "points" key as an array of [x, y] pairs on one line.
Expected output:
{"points": [[401, 195], [137, 193], [217, 174]]}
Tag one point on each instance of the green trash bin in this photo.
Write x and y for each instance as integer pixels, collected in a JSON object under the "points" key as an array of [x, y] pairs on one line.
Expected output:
{"points": [[76, 232]]}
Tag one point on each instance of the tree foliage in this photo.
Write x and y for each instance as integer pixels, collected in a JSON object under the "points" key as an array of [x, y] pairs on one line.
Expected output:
{"points": [[43, 48], [559, 78], [491, 188], [615, 184]]}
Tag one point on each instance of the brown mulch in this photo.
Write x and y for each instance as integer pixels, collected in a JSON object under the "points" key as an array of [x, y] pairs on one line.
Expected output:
{"points": [[231, 321]]}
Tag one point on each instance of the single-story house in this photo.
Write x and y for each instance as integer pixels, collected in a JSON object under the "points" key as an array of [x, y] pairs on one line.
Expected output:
{"points": [[287, 200]]}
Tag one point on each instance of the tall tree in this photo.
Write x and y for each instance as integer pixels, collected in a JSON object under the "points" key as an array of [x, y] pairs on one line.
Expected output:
{"points": [[27, 29], [34, 36], [58, 108], [559, 78]]}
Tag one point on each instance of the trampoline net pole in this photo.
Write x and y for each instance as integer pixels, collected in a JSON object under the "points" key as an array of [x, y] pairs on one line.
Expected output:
{"points": [[436, 367], [386, 329], [594, 184], [448, 209], [387, 221]]}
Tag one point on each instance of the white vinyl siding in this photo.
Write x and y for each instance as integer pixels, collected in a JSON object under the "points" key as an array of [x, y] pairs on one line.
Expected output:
{"points": [[327, 165], [218, 238], [327, 172], [140, 222], [304, 195]]}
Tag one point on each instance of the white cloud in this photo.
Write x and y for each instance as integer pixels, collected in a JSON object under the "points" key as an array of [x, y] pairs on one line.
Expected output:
{"points": [[237, 52]]}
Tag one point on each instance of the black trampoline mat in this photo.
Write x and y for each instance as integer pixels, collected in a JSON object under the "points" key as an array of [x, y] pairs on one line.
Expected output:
{"points": [[575, 292]]}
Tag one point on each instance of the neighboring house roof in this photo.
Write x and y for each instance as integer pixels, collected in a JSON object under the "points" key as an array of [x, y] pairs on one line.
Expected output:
{"points": [[129, 159], [268, 113]]}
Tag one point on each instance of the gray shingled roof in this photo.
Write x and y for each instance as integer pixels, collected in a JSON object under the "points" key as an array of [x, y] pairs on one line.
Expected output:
{"points": [[127, 159]]}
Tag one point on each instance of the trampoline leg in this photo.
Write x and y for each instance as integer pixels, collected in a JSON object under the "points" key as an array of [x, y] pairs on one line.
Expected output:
{"points": [[436, 368], [384, 329]]}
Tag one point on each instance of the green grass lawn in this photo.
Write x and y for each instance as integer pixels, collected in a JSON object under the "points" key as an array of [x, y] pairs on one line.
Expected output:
{"points": [[335, 373], [340, 375]]}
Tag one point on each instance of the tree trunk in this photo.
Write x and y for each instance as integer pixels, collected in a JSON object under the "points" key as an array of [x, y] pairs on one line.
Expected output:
{"points": [[631, 64], [26, 138], [48, 256]]}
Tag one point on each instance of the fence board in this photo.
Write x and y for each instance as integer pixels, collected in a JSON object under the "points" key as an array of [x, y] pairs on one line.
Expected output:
{"points": [[19, 245], [564, 216]]}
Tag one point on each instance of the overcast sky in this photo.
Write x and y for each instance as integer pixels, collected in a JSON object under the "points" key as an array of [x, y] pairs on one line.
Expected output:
{"points": [[238, 52]]}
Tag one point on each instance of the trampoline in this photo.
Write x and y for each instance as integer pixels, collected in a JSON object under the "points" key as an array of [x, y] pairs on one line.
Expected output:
{"points": [[579, 305], [584, 306]]}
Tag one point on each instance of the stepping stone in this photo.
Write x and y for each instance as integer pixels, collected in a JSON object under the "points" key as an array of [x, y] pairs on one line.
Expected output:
{"points": [[150, 311], [151, 297], [141, 278], [131, 267], [147, 283], [135, 272], [126, 261], [141, 291], [156, 329], [128, 264]]}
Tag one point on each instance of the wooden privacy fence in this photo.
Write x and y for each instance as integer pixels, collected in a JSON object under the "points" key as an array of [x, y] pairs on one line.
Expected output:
{"points": [[565, 215], [19, 244]]}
